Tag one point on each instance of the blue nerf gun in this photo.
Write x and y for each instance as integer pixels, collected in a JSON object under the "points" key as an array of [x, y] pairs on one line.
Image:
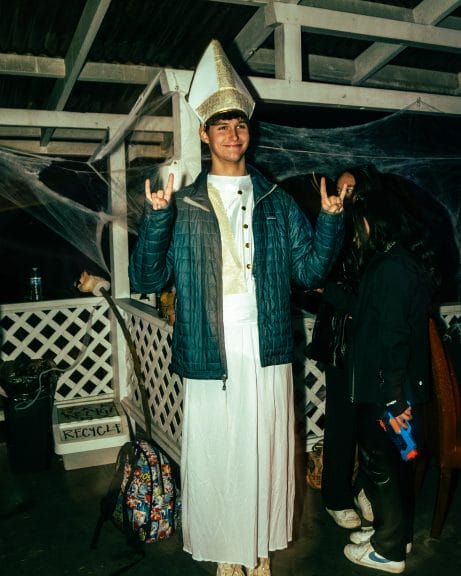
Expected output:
{"points": [[400, 436]]}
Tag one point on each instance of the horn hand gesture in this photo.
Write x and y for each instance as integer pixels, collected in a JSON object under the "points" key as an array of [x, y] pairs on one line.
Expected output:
{"points": [[331, 204], [162, 198]]}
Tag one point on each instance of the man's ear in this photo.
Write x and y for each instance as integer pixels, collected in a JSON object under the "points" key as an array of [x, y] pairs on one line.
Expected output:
{"points": [[203, 134]]}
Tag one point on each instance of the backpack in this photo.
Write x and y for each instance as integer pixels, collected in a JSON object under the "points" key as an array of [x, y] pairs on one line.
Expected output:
{"points": [[146, 504], [142, 501]]}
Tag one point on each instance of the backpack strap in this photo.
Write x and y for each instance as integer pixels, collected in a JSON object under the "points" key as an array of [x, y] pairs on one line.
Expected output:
{"points": [[136, 363], [142, 554], [127, 452], [108, 502]]}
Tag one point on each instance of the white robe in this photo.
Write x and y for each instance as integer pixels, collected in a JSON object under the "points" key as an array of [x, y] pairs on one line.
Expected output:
{"points": [[237, 464]]}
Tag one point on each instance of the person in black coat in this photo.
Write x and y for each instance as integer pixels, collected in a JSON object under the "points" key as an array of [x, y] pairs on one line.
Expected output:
{"points": [[343, 491], [388, 362]]}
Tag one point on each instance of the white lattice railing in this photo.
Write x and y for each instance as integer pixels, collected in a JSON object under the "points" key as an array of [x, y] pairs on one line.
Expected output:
{"points": [[309, 382], [152, 338], [56, 329]]}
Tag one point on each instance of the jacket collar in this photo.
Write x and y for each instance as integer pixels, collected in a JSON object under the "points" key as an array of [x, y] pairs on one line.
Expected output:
{"points": [[261, 185]]}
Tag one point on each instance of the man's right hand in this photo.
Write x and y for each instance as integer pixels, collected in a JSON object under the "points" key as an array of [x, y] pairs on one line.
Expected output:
{"points": [[162, 198]]}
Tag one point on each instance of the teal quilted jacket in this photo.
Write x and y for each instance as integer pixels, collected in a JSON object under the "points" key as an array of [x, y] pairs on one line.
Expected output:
{"points": [[182, 244]]}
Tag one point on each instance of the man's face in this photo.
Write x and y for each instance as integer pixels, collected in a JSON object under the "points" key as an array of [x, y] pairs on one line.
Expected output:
{"points": [[228, 140]]}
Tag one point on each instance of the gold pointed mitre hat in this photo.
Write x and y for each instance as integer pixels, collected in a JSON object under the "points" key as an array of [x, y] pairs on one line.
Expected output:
{"points": [[216, 87]]}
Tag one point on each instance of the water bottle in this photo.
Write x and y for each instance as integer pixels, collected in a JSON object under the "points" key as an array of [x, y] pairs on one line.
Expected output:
{"points": [[35, 285]]}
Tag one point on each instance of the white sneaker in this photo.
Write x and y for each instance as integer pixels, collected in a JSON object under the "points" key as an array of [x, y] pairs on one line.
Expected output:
{"points": [[347, 518], [365, 555], [364, 505], [230, 570], [364, 535]]}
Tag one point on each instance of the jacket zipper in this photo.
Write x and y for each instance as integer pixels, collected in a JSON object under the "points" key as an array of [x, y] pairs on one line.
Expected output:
{"points": [[256, 261], [202, 207]]}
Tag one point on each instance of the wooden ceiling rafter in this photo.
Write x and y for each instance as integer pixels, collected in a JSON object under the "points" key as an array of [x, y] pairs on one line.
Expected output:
{"points": [[370, 80]]}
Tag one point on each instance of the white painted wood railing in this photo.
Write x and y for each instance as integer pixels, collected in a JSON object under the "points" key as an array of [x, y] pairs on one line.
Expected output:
{"points": [[57, 329]]}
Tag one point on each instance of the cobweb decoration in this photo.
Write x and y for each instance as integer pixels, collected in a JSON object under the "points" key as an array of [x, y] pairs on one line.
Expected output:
{"points": [[55, 214], [22, 186], [71, 197], [424, 148]]}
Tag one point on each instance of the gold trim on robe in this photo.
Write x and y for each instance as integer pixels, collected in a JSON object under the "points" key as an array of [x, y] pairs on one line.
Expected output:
{"points": [[233, 273]]}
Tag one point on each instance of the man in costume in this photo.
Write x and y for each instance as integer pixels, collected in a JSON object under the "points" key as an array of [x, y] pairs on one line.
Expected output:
{"points": [[232, 242]]}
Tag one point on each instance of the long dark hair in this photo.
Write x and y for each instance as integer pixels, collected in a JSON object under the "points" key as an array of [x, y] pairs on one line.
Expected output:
{"points": [[388, 215], [347, 268], [366, 177]]}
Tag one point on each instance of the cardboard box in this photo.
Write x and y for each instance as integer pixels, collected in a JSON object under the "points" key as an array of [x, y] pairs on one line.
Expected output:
{"points": [[89, 433]]}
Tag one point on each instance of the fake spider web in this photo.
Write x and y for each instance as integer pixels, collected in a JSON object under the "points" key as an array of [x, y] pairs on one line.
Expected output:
{"points": [[70, 197]]}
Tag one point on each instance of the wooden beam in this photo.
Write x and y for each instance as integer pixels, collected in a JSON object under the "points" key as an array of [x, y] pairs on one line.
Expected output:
{"points": [[130, 121], [430, 12], [253, 2], [255, 31], [81, 120], [288, 52], [87, 28], [81, 149], [317, 94], [252, 35], [157, 153], [76, 135], [46, 67], [341, 71], [172, 80], [241, 2], [118, 233], [118, 73], [321, 21], [373, 59], [370, 8], [379, 53], [25, 65]]}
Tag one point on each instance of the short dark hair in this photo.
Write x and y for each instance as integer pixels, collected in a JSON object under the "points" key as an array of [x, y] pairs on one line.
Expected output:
{"points": [[228, 115]]}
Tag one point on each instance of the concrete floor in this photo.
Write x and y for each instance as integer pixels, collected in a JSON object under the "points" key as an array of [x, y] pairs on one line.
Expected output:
{"points": [[47, 520]]}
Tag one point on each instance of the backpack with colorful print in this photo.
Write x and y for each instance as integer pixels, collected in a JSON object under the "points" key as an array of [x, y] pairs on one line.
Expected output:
{"points": [[143, 500], [146, 508]]}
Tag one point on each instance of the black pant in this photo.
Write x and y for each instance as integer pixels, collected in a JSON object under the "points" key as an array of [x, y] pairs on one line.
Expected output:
{"points": [[389, 485], [339, 443]]}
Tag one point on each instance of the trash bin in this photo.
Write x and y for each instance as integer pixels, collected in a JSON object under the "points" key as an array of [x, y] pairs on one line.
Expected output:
{"points": [[30, 386]]}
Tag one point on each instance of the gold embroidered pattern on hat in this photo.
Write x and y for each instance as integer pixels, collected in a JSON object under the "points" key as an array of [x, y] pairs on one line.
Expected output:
{"points": [[216, 87], [223, 101]]}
